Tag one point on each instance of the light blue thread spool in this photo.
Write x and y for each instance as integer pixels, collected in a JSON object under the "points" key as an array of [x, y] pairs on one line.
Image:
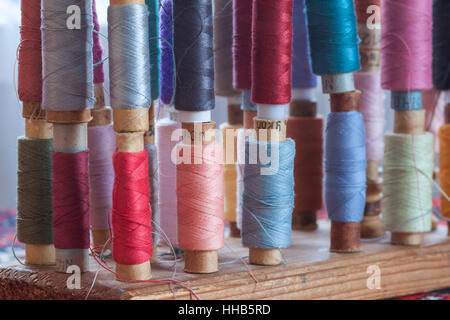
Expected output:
{"points": [[268, 200]]}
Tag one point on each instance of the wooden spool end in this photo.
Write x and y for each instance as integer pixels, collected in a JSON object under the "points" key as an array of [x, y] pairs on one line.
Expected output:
{"points": [[201, 261], [265, 257], [235, 114], [249, 117], [99, 94], [69, 117], [406, 238], [149, 136], [195, 133], [100, 237], [40, 254], [303, 109], [371, 225], [408, 121], [130, 141], [271, 130], [100, 117], [304, 221], [70, 137], [155, 254], [139, 272], [33, 110], [234, 230], [345, 102], [38, 129], [130, 120], [345, 237]]}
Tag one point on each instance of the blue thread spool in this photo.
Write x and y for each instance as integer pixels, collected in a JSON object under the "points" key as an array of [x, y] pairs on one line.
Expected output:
{"points": [[334, 50]]}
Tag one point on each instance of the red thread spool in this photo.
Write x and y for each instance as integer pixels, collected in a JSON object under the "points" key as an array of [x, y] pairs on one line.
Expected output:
{"points": [[71, 200], [131, 216], [30, 58], [271, 51], [242, 44]]}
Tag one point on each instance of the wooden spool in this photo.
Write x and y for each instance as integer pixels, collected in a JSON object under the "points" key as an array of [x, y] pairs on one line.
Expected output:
{"points": [[200, 261], [101, 116], [39, 254], [70, 138], [447, 121], [408, 122], [304, 220], [131, 125], [345, 236], [235, 118]]}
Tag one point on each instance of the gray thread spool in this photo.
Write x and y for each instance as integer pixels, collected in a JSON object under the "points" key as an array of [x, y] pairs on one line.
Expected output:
{"points": [[129, 57], [67, 57]]}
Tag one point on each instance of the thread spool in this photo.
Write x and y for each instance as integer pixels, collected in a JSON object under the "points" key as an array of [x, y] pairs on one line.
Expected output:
{"points": [[303, 106], [441, 81], [229, 139], [68, 107], [194, 99], [334, 51], [167, 178], [39, 250], [271, 91], [101, 144], [130, 99], [167, 58], [406, 77]]}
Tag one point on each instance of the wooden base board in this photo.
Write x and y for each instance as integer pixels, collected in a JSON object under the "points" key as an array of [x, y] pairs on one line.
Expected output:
{"points": [[311, 272]]}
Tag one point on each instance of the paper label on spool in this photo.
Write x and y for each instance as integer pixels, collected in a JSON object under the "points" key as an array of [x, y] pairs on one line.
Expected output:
{"points": [[369, 47], [338, 83], [271, 130], [404, 100]]}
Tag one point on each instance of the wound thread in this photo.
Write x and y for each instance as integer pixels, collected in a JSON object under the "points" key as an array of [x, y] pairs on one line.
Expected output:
{"points": [[99, 73], [102, 144], [345, 167], [129, 56], [34, 191], [167, 56], [194, 55], [131, 217], [406, 44], [334, 48], [302, 76], [223, 42], [153, 178], [242, 44], [153, 38], [271, 51], [200, 197], [71, 200], [68, 81], [30, 58], [441, 45], [268, 200], [408, 162]]}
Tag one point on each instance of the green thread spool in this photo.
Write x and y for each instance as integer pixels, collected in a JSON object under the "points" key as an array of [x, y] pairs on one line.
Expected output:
{"points": [[34, 191], [407, 182]]}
